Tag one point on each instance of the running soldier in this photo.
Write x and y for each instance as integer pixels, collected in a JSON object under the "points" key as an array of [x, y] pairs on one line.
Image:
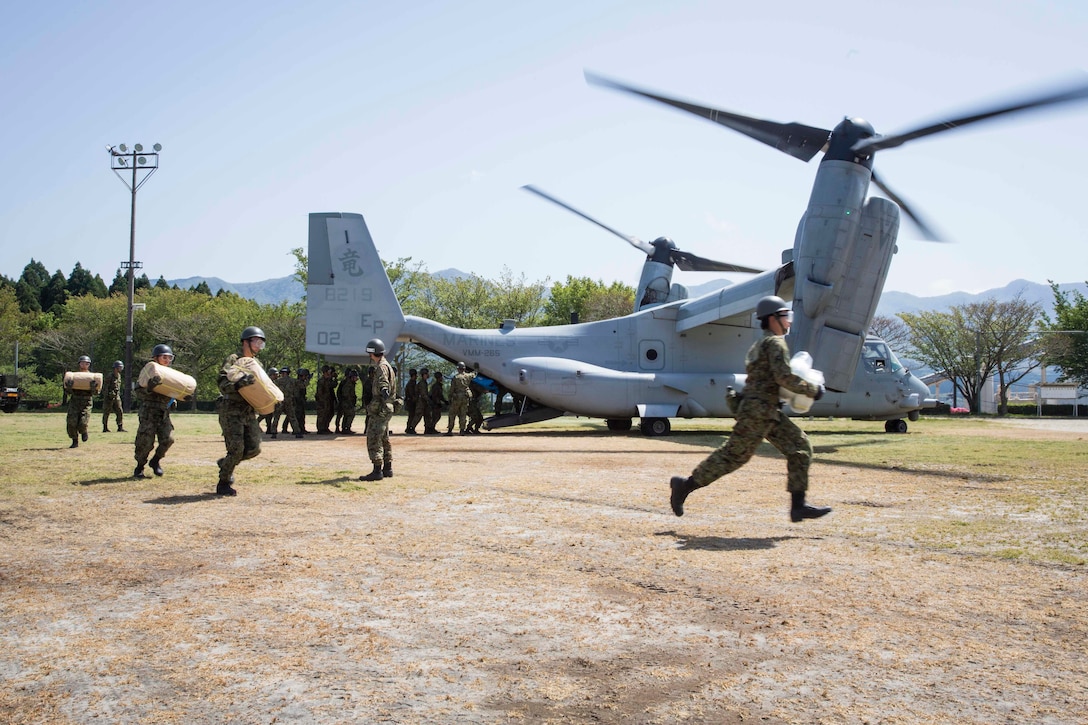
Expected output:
{"points": [[760, 416], [111, 399], [287, 384], [79, 406], [237, 418], [154, 418]]}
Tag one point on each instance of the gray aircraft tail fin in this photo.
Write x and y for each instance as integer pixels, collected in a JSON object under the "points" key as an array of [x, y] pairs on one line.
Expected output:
{"points": [[349, 299]]}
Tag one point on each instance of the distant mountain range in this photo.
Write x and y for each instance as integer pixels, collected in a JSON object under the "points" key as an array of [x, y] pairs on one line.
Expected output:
{"points": [[287, 289]]}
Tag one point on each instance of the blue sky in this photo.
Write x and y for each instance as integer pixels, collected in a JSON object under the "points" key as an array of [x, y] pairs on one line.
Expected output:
{"points": [[427, 117]]}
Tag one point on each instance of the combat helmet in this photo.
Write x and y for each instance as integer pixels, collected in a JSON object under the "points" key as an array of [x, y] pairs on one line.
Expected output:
{"points": [[161, 350], [251, 332], [118, 364], [84, 358], [770, 305], [375, 346]]}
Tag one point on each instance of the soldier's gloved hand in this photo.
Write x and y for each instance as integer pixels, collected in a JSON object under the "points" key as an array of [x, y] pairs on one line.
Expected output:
{"points": [[248, 379], [819, 392], [153, 382], [386, 395]]}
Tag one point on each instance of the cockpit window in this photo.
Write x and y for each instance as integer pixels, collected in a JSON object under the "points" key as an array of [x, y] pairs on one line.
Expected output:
{"points": [[879, 357]]}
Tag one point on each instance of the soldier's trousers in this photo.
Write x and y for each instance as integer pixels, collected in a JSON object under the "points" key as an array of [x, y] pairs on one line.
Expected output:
{"points": [[756, 421], [290, 420], [377, 438], [346, 418], [415, 414], [458, 411], [79, 414], [112, 405], [241, 434], [154, 422]]}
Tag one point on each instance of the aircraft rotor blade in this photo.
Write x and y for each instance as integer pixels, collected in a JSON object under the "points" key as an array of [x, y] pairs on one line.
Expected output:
{"points": [[1077, 92], [928, 232], [644, 247], [797, 140], [693, 263]]}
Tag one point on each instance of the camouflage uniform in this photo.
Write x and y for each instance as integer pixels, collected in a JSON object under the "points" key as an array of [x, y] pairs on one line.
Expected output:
{"points": [[436, 397], [411, 403], [237, 420], [459, 399], [325, 396], [759, 416], [79, 412], [111, 402], [290, 422], [302, 382], [475, 415], [423, 402], [379, 411], [346, 400], [154, 422]]}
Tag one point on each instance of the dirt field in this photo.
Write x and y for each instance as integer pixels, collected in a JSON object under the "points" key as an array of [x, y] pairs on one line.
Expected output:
{"points": [[531, 575]]}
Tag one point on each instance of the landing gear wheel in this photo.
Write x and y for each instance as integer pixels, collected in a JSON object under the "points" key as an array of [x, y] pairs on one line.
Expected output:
{"points": [[656, 426], [619, 424], [895, 426]]}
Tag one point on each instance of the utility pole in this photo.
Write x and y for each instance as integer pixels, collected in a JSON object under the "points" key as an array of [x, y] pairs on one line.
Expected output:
{"points": [[142, 165]]}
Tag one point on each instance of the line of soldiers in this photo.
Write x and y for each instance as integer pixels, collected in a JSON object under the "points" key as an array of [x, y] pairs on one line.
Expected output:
{"points": [[424, 400]]}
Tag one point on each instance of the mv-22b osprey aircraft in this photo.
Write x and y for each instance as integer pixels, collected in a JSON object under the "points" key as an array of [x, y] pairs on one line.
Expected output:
{"points": [[674, 356]]}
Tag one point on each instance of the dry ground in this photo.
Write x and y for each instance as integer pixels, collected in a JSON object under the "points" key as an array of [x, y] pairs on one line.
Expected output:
{"points": [[531, 575]]}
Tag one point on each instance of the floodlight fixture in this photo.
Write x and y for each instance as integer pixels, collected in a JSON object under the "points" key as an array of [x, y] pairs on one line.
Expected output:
{"points": [[142, 166]]}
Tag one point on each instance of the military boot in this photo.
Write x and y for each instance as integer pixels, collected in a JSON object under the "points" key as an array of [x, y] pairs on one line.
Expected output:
{"points": [[156, 466], [375, 475], [800, 510], [75, 442], [105, 429], [387, 470], [681, 487], [84, 436], [139, 472], [224, 488]]}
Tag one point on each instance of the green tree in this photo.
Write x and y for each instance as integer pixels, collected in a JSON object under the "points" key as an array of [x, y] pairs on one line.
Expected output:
{"points": [[1066, 344], [971, 342], [302, 266], [80, 282], [55, 294], [161, 283], [588, 299], [29, 297], [201, 288], [119, 285], [891, 330]]}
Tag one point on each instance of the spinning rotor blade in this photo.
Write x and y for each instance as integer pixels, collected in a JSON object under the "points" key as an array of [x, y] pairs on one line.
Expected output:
{"points": [[658, 249], [927, 231], [797, 140], [644, 247], [1078, 92], [693, 263]]}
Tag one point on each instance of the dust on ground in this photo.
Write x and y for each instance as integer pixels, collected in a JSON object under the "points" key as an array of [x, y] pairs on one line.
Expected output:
{"points": [[521, 576]]}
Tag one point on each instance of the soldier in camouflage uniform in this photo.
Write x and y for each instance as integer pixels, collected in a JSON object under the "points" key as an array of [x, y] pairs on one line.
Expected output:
{"points": [[111, 399], [154, 418], [384, 389], [237, 418], [346, 400], [423, 402], [411, 402], [79, 406], [287, 385], [475, 415], [302, 382], [437, 398], [325, 397], [460, 394], [272, 420], [760, 416]]}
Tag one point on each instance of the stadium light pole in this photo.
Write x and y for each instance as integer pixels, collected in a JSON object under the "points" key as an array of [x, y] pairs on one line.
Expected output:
{"points": [[142, 165]]}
